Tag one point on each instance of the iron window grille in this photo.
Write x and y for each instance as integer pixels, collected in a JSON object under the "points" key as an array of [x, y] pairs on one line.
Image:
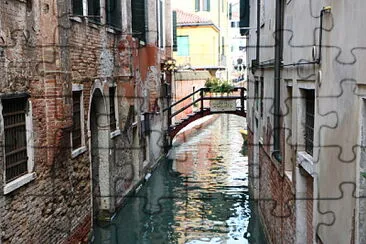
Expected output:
{"points": [[16, 158], [112, 109], [76, 119], [309, 121]]}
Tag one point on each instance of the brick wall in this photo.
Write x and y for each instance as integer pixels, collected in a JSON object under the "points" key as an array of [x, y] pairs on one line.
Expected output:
{"points": [[309, 208], [276, 203], [55, 207]]}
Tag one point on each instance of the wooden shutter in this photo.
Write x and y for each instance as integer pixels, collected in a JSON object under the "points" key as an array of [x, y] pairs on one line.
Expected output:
{"points": [[197, 5], [175, 47], [138, 19], [77, 7]]}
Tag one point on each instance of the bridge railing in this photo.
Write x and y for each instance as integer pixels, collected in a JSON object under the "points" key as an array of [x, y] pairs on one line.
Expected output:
{"points": [[205, 94]]}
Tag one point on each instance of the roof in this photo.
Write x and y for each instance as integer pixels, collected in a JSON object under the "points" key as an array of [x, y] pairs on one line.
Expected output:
{"points": [[184, 18]]}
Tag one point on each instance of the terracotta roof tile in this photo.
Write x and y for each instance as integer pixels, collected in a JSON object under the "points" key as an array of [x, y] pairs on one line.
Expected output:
{"points": [[189, 18]]}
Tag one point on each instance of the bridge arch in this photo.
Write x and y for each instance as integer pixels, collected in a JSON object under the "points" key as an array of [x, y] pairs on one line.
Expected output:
{"points": [[235, 102]]}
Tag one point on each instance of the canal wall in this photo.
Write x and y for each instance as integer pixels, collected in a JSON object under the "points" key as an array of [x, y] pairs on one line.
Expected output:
{"points": [[273, 192]]}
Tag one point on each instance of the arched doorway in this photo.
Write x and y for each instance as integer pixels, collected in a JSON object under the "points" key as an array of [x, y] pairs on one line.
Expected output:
{"points": [[99, 153]]}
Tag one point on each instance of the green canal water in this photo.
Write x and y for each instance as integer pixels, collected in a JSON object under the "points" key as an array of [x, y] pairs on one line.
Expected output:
{"points": [[197, 195]]}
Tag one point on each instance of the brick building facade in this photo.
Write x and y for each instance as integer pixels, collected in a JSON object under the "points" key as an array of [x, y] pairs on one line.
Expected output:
{"points": [[81, 123]]}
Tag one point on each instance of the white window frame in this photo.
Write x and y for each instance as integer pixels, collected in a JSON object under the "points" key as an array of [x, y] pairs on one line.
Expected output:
{"points": [[117, 131], [161, 17], [31, 175], [76, 152]]}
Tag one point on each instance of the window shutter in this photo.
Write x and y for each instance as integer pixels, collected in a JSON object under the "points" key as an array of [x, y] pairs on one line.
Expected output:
{"points": [[244, 16], [113, 13], [94, 10], [197, 8], [175, 47], [138, 19], [77, 7], [208, 5]]}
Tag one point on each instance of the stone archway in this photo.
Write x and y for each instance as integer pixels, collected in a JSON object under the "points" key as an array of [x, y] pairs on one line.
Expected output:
{"points": [[99, 154]]}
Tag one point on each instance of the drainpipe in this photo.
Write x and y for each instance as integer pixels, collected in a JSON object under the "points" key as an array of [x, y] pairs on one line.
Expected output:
{"points": [[277, 76], [258, 30]]}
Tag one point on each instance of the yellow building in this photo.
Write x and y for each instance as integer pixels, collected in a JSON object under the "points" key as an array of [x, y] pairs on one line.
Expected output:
{"points": [[204, 25], [197, 41]]}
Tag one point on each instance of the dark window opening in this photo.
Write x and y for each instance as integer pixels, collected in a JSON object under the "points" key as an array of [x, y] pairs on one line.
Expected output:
{"points": [[113, 13], [16, 159], [309, 121], [94, 10], [138, 19], [175, 45], [76, 119], [261, 96], [256, 90], [77, 7], [112, 108]]}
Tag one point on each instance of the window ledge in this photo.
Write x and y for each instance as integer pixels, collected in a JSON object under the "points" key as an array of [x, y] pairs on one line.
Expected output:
{"points": [[306, 161], [111, 30], [115, 133], [78, 152], [19, 182], [76, 19]]}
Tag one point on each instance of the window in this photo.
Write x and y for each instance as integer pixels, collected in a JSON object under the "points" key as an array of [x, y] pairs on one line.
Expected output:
{"points": [[175, 45], [77, 7], [138, 19], [112, 108], [94, 10], [256, 88], [183, 45], [16, 156], [76, 119], [113, 13], [261, 96], [309, 120], [202, 5]]}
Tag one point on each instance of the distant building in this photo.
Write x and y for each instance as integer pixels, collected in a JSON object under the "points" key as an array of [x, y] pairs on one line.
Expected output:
{"points": [[307, 119], [198, 19]]}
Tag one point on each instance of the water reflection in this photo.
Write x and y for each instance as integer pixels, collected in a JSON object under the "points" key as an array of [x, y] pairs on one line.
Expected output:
{"points": [[199, 195]]}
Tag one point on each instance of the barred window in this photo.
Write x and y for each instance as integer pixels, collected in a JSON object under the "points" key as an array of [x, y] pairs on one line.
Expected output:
{"points": [[112, 108], [76, 119], [309, 121], [16, 159]]}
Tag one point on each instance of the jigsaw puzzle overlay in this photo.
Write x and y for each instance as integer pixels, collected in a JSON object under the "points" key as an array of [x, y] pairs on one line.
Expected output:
{"points": [[50, 58]]}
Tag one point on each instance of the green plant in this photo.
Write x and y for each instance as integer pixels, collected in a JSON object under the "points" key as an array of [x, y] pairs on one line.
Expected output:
{"points": [[219, 86]]}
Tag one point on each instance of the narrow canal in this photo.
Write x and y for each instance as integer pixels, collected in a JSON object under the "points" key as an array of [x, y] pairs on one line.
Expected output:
{"points": [[198, 195]]}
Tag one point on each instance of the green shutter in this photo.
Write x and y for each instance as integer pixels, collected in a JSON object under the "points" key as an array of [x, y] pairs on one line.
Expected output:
{"points": [[94, 10], [197, 8], [113, 13], [244, 16], [138, 19], [77, 7], [175, 47], [208, 5]]}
